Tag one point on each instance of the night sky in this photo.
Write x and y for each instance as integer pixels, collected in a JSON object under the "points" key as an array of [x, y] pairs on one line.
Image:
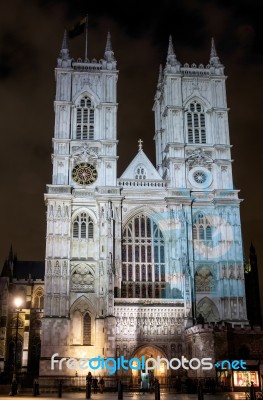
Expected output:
{"points": [[30, 39]]}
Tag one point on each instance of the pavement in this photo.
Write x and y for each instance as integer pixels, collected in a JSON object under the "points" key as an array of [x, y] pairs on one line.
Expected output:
{"points": [[132, 396]]}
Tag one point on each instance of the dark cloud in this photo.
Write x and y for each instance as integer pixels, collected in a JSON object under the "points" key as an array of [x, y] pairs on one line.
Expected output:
{"points": [[15, 55]]}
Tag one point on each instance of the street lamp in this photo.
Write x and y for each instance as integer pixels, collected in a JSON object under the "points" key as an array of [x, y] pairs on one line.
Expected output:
{"points": [[18, 301]]}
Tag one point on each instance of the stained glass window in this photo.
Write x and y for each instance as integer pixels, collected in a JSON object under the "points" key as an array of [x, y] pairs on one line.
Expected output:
{"points": [[123, 290], [143, 259], [137, 272], [150, 291], [149, 273], [124, 273], [130, 290], [143, 273], [130, 272], [157, 291], [162, 273], [157, 273], [143, 290], [143, 253]]}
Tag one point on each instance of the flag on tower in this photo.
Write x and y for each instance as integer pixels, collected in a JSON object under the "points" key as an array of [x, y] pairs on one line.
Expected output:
{"points": [[79, 28]]}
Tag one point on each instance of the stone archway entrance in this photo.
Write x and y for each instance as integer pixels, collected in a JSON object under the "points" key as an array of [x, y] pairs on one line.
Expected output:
{"points": [[143, 379]]}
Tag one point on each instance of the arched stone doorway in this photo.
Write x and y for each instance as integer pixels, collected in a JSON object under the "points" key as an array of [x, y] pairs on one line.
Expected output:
{"points": [[143, 379]]}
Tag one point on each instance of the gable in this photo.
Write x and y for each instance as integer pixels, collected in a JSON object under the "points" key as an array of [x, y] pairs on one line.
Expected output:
{"points": [[141, 168]]}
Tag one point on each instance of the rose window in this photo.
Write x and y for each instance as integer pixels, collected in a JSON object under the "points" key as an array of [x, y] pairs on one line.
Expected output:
{"points": [[199, 177]]}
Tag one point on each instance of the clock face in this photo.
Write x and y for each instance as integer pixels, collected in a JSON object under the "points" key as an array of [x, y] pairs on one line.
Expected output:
{"points": [[84, 174]]}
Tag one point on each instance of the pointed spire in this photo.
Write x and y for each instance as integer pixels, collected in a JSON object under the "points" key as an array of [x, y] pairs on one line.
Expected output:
{"points": [[170, 47], [6, 272], [109, 54], [214, 59], [65, 41], [213, 52], [108, 43], [64, 59], [171, 57], [160, 77], [64, 51]]}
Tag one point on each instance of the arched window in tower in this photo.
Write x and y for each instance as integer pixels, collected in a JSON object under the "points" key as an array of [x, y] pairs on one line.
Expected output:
{"points": [[38, 298], [195, 116], [202, 229], [85, 119], [86, 330], [83, 227], [143, 257]]}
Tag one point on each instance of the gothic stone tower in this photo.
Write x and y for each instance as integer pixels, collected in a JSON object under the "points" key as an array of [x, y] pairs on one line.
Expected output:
{"points": [[81, 203], [132, 262], [193, 156]]}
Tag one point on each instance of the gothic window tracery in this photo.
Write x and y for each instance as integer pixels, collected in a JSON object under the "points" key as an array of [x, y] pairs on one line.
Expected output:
{"points": [[83, 227], [85, 119], [202, 229], [38, 299], [143, 258], [205, 281], [195, 118]]}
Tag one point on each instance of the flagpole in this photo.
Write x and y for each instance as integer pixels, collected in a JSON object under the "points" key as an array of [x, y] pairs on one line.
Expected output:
{"points": [[86, 39]]}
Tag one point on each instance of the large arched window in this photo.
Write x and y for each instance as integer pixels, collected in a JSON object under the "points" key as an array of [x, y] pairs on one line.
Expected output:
{"points": [[85, 119], [196, 130], [86, 330], [83, 227], [202, 229], [143, 259]]}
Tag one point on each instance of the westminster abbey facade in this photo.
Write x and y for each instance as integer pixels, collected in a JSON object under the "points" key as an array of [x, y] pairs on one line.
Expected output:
{"points": [[149, 263], [133, 261]]}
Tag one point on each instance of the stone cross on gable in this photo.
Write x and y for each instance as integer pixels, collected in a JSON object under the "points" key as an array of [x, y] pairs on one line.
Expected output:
{"points": [[140, 142]]}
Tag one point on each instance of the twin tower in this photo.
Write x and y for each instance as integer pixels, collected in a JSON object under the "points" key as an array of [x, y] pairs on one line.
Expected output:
{"points": [[131, 262]]}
